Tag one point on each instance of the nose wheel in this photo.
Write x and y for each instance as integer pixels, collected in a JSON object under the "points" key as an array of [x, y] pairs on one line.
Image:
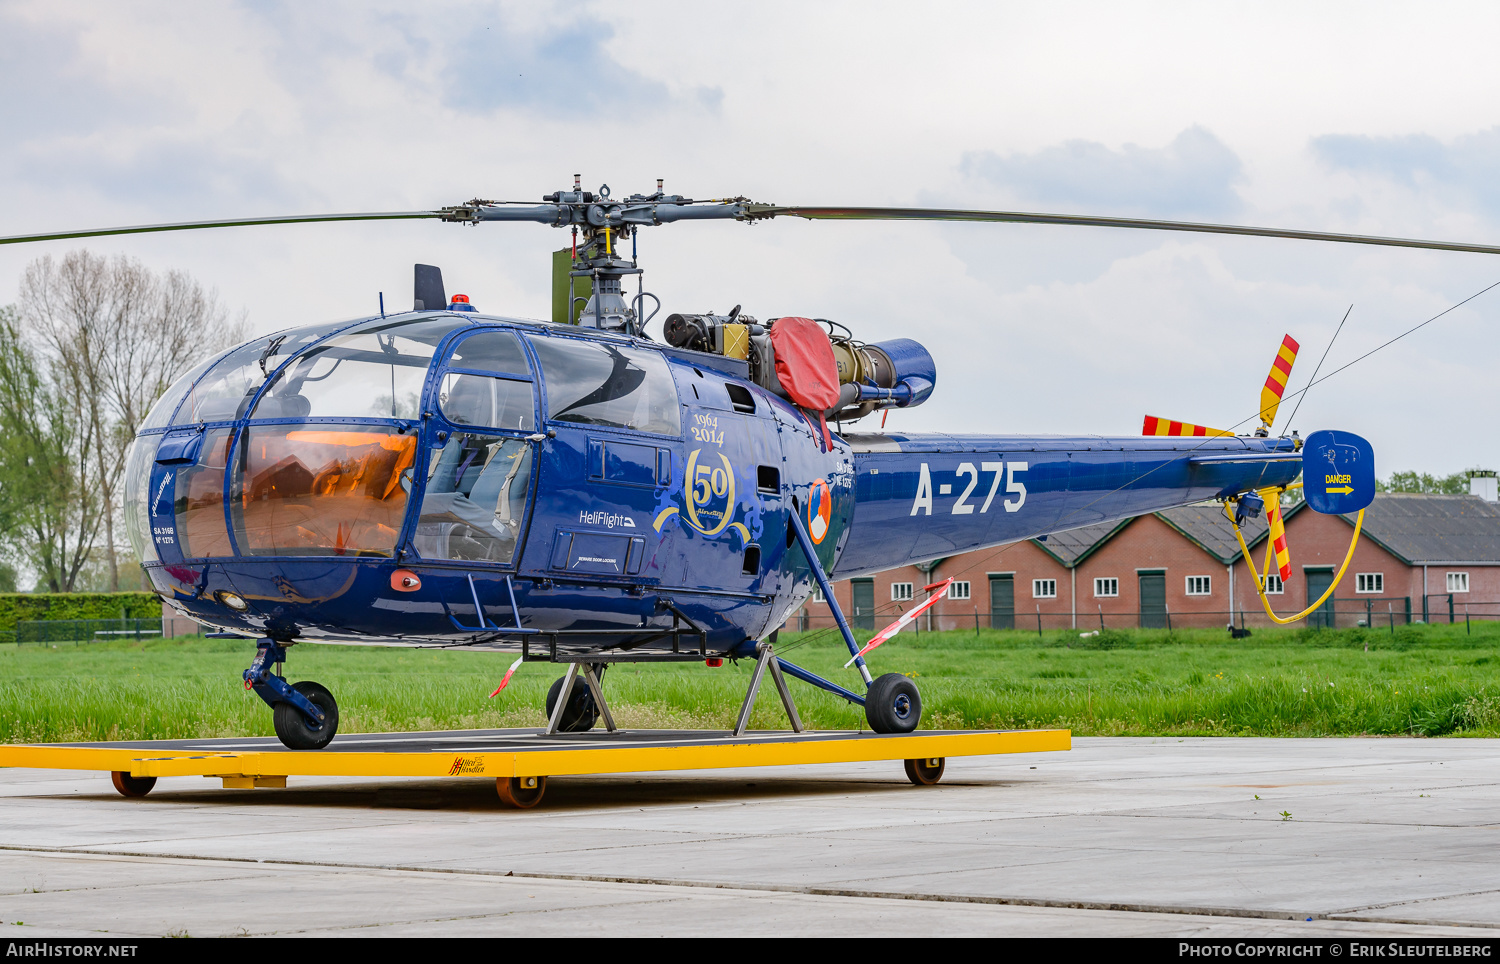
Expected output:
{"points": [[295, 729], [305, 714]]}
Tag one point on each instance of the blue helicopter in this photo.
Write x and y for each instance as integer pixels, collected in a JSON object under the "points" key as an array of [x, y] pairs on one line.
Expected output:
{"points": [[583, 494]]}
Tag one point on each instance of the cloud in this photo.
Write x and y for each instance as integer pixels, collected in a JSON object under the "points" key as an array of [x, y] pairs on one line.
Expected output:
{"points": [[52, 88], [1462, 171], [1194, 175], [565, 69]]}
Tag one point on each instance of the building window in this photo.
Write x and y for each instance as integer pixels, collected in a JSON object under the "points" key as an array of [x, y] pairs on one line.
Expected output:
{"points": [[900, 591], [817, 595], [1369, 582], [1044, 589], [1458, 582], [1273, 585], [958, 590], [1199, 585], [1107, 587]]}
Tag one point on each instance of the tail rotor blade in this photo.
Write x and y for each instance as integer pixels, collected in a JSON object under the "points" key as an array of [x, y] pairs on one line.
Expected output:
{"points": [[1275, 387], [1164, 426]]}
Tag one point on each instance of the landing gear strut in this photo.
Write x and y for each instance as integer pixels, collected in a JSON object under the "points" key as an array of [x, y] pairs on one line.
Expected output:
{"points": [[305, 714], [582, 705]]}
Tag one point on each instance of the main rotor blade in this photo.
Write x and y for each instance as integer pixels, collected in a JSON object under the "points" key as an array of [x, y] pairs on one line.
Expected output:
{"points": [[234, 223], [755, 212]]}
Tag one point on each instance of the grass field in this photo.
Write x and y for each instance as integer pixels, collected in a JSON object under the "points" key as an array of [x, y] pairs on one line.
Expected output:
{"points": [[1421, 681]]}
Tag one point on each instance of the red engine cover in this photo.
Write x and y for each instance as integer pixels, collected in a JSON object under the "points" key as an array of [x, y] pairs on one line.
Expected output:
{"points": [[804, 363]]}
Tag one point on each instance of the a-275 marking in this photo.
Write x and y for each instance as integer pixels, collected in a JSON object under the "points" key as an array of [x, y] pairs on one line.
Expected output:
{"points": [[923, 501]]}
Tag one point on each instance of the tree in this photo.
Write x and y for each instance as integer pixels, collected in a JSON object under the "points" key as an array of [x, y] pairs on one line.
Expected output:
{"points": [[1455, 484], [49, 509], [114, 335]]}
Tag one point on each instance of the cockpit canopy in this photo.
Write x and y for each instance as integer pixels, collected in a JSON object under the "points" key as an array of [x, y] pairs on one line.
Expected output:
{"points": [[312, 439]]}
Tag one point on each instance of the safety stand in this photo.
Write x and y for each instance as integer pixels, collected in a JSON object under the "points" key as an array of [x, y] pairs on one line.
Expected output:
{"points": [[591, 680], [766, 659]]}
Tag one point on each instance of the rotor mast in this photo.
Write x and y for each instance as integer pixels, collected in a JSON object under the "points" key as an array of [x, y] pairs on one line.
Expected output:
{"points": [[605, 225]]}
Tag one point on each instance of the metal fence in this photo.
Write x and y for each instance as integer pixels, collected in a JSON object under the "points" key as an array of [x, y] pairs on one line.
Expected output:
{"points": [[1383, 612], [47, 631]]}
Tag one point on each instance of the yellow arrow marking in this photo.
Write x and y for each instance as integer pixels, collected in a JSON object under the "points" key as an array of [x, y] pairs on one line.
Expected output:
{"points": [[1346, 489]]}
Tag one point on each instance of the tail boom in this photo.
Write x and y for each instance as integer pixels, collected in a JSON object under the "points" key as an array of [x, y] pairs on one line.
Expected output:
{"points": [[920, 497]]}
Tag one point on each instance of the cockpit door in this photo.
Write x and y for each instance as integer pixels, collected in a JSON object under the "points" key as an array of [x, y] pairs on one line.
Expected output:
{"points": [[482, 457]]}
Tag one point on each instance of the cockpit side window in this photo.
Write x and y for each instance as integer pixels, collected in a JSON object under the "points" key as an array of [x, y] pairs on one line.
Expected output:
{"points": [[482, 400], [601, 383], [475, 499], [491, 351]]}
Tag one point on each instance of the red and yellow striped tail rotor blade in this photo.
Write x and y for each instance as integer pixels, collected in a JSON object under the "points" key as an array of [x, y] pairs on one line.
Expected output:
{"points": [[1162, 426], [1281, 370], [1277, 535]]}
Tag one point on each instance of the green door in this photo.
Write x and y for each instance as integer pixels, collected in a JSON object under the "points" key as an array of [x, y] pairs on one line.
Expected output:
{"points": [[1318, 581], [1153, 600], [863, 616], [1003, 602]]}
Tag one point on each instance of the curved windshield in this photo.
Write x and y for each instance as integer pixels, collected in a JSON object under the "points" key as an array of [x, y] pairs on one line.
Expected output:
{"points": [[162, 411], [199, 499], [138, 465], [475, 499], [374, 372], [598, 383], [223, 394], [321, 490]]}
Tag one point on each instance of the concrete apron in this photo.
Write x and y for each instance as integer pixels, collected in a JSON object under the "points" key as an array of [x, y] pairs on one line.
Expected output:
{"points": [[1117, 837]]}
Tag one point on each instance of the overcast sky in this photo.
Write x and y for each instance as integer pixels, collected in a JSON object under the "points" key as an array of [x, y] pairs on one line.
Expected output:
{"points": [[1360, 117]]}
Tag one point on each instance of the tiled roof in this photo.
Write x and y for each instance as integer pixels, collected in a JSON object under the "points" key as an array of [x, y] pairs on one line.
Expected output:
{"points": [[1070, 546], [1414, 528], [1434, 528], [1206, 524]]}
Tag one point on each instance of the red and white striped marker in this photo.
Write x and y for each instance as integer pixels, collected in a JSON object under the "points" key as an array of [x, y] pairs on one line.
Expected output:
{"points": [[508, 674], [906, 620]]}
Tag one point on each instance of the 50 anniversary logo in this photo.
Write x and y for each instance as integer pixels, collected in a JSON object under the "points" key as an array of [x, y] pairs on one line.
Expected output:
{"points": [[709, 501]]}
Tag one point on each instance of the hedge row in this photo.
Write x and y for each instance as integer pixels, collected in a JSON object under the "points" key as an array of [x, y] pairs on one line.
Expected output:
{"points": [[18, 606]]}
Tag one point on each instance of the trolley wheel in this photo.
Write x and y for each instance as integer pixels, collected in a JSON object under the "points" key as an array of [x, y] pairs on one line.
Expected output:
{"points": [[296, 731], [925, 773], [130, 786], [893, 704], [580, 713], [522, 793]]}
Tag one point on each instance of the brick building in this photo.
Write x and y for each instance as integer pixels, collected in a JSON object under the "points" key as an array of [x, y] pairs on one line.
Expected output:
{"points": [[1420, 557]]}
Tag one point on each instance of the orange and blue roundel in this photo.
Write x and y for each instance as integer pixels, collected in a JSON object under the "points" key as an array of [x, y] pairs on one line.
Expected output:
{"points": [[819, 510]]}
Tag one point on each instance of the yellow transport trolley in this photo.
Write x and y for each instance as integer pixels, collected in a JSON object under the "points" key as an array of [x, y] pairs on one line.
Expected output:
{"points": [[519, 761]]}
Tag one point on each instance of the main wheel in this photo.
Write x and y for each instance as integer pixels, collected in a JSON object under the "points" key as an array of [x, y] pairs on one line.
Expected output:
{"points": [[893, 704], [296, 731], [521, 792], [924, 773], [580, 714], [130, 786]]}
